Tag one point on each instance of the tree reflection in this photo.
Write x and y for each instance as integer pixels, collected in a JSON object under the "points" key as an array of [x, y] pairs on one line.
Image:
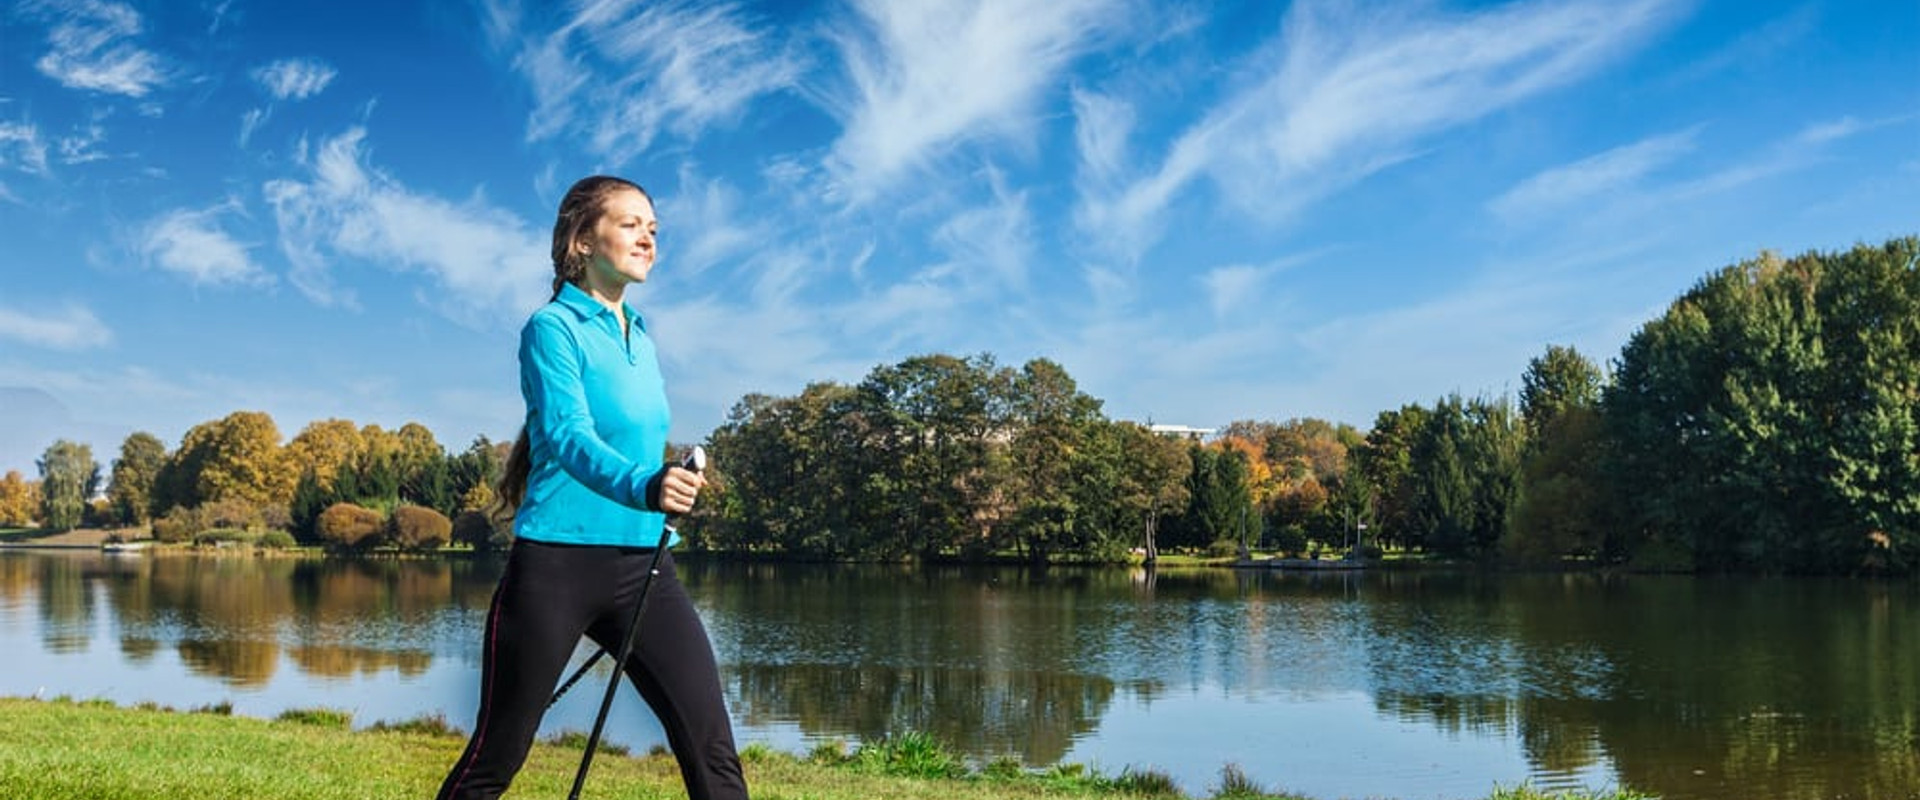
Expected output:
{"points": [[1682, 681], [1033, 716]]}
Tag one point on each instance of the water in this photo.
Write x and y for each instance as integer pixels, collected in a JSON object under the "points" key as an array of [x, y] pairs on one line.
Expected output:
{"points": [[1403, 685]]}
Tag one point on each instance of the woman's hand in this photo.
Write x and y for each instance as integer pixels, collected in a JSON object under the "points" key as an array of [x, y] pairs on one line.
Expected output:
{"points": [[679, 488]]}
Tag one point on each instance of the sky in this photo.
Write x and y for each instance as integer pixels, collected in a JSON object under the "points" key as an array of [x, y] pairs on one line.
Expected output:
{"points": [[1204, 211]]}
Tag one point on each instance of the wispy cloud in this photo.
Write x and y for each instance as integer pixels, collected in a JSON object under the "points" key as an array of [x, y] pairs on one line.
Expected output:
{"points": [[191, 243], [91, 46], [1356, 90], [21, 148], [1572, 184], [250, 122], [984, 256], [623, 72], [704, 224], [926, 77], [70, 328], [486, 261], [294, 78]]}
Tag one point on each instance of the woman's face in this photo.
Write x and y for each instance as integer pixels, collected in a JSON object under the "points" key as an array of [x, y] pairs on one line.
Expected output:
{"points": [[621, 242]]}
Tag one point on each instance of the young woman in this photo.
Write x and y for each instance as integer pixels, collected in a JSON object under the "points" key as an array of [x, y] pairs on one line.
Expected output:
{"points": [[591, 494]]}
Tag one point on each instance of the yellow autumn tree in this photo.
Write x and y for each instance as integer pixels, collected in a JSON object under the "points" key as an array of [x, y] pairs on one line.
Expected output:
{"points": [[323, 447]]}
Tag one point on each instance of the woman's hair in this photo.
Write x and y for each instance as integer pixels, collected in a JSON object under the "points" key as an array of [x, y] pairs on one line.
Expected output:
{"points": [[580, 210]]}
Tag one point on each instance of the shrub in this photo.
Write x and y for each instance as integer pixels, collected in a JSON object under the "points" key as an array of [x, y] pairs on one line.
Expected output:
{"points": [[350, 526], [419, 528], [216, 536], [913, 754], [1234, 783], [321, 717], [276, 540], [478, 530], [176, 525], [1152, 783], [427, 725]]}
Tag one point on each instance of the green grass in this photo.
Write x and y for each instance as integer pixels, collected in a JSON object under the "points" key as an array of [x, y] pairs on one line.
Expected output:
{"points": [[10, 534], [93, 750]]}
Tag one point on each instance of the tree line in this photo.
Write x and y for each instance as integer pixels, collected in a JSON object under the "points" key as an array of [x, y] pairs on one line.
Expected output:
{"points": [[1769, 420]]}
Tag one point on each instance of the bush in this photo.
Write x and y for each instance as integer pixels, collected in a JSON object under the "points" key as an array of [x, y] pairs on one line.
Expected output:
{"points": [[218, 536], [419, 528], [176, 525], [276, 540], [913, 754], [350, 526], [477, 530], [319, 717]]}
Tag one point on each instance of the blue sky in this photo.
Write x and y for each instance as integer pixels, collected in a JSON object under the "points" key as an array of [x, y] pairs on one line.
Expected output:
{"points": [[1204, 211]]}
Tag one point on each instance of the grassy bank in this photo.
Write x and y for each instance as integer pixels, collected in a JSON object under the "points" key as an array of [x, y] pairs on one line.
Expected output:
{"points": [[63, 750]]}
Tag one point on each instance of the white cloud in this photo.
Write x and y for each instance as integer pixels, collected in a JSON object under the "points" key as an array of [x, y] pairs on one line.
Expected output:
{"points": [[21, 148], [1830, 131], [295, 78], [1231, 287], [645, 69], [1574, 184], [191, 243], [251, 121], [482, 260], [90, 47], [702, 225], [1356, 90], [79, 147], [929, 76], [70, 328]]}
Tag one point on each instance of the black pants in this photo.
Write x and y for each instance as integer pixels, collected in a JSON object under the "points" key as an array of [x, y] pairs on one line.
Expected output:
{"points": [[548, 597]]}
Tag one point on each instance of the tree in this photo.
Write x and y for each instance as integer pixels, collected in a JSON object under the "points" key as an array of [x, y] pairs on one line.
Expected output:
{"points": [[933, 417], [1559, 508], [322, 448], [130, 488], [69, 477], [235, 457], [1153, 479], [1049, 416], [19, 500], [1555, 382], [1386, 463], [1768, 419]]}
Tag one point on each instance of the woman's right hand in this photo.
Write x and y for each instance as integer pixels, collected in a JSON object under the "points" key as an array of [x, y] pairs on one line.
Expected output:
{"points": [[679, 487]]}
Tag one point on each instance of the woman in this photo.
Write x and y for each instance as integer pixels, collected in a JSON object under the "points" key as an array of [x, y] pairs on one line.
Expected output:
{"points": [[591, 495]]}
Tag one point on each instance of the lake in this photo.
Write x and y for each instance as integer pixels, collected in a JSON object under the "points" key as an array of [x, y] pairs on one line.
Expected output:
{"points": [[1402, 684]]}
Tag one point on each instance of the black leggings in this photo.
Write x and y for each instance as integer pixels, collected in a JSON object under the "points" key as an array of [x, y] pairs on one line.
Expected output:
{"points": [[549, 596]]}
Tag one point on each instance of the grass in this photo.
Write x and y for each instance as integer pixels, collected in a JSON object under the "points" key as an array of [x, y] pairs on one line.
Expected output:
{"points": [[93, 750]]}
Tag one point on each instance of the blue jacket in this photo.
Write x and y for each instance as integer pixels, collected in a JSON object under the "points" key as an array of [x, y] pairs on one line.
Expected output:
{"points": [[597, 422]]}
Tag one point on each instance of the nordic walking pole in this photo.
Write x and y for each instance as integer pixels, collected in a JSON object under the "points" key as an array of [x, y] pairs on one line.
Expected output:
{"points": [[577, 675], [696, 461]]}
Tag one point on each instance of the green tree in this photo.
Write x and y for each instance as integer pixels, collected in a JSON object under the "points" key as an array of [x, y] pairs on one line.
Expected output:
{"points": [[1050, 418], [1559, 508], [130, 486], [933, 417], [69, 477], [1152, 481], [1386, 464], [1767, 420]]}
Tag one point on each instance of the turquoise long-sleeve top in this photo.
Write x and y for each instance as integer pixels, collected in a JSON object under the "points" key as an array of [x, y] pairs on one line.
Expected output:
{"points": [[597, 421]]}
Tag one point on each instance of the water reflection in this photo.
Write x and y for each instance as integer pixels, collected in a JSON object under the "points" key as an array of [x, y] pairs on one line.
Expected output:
{"points": [[1688, 688]]}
